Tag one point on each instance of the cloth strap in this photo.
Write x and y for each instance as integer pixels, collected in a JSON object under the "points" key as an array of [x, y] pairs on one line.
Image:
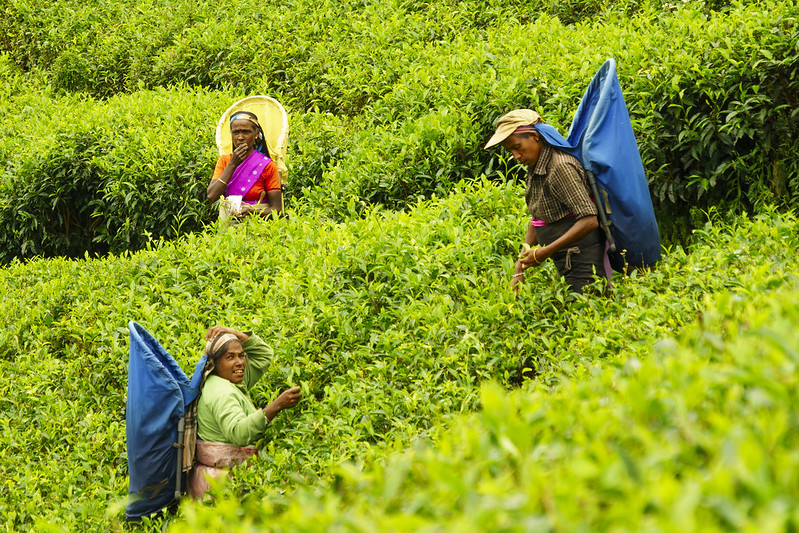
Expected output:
{"points": [[569, 252]]}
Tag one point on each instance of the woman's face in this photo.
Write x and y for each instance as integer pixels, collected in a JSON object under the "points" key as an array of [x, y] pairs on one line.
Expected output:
{"points": [[231, 365], [525, 148], [242, 131]]}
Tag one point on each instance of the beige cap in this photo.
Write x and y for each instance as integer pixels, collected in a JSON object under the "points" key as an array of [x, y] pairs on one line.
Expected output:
{"points": [[507, 124]]}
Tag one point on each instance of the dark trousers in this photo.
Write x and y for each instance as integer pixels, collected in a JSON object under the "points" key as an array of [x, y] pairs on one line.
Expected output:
{"points": [[579, 261]]}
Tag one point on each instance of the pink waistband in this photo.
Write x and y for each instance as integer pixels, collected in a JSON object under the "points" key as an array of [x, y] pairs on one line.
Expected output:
{"points": [[219, 455]]}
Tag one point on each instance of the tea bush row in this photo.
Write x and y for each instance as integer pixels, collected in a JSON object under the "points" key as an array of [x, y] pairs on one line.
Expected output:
{"points": [[107, 48], [714, 111], [697, 434], [715, 118], [390, 322], [87, 176]]}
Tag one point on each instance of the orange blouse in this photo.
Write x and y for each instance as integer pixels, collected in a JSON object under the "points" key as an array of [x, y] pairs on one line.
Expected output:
{"points": [[269, 180]]}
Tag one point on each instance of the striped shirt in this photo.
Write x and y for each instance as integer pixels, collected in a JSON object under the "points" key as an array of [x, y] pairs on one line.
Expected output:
{"points": [[558, 186]]}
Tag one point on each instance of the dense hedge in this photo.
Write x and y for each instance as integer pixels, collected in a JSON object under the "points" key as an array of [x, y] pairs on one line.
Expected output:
{"points": [[714, 111], [106, 48], [389, 322], [698, 436], [387, 106], [82, 175]]}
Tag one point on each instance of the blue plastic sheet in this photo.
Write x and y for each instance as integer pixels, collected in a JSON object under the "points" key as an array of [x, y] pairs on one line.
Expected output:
{"points": [[602, 138], [158, 394]]}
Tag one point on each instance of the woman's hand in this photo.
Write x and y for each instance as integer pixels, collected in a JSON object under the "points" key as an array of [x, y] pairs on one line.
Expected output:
{"points": [[248, 209], [239, 154], [286, 400], [243, 211], [215, 331], [218, 186]]}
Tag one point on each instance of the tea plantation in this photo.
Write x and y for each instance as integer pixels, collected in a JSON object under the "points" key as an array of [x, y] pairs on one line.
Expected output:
{"points": [[671, 398], [435, 399]]}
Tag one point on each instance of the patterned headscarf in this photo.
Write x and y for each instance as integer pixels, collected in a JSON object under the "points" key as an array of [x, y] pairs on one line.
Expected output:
{"points": [[216, 347]]}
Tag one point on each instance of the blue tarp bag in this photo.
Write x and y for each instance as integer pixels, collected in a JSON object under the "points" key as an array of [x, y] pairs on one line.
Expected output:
{"points": [[602, 138], [158, 395]]}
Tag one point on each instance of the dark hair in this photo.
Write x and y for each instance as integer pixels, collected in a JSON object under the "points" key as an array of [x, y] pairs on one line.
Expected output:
{"points": [[528, 134]]}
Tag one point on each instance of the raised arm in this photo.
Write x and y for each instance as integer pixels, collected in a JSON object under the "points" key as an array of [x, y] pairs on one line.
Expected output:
{"points": [[215, 331]]}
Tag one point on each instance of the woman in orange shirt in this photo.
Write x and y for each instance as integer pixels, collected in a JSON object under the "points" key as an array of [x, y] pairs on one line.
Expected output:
{"points": [[247, 173]]}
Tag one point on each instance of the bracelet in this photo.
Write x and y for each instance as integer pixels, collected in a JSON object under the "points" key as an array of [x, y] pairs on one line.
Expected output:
{"points": [[220, 180], [517, 275], [535, 258]]}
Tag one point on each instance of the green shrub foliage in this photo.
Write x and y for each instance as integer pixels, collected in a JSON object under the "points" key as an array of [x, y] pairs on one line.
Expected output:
{"points": [[666, 404], [703, 106], [390, 323], [105, 177], [699, 435], [389, 103]]}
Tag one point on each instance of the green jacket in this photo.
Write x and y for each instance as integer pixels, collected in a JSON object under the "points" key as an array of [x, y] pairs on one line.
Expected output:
{"points": [[225, 412]]}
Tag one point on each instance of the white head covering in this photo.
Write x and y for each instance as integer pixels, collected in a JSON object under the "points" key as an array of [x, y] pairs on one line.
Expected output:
{"points": [[213, 346]]}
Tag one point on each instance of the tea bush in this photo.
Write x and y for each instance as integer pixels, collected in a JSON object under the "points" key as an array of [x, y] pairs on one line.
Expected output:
{"points": [[389, 112], [86, 177], [390, 322], [702, 110], [699, 434], [105, 48]]}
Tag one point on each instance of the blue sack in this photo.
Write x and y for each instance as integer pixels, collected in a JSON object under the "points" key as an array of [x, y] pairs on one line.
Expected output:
{"points": [[603, 130], [601, 137], [158, 395]]}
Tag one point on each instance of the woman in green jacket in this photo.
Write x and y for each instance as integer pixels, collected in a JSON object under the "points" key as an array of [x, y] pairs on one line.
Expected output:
{"points": [[228, 423]]}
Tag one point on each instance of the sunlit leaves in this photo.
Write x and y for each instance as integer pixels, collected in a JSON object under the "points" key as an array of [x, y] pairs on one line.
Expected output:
{"points": [[390, 323]]}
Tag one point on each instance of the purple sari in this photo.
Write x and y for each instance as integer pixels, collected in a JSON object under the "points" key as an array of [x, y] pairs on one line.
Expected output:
{"points": [[246, 174]]}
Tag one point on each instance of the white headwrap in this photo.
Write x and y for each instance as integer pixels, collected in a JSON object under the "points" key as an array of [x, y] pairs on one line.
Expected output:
{"points": [[213, 346]]}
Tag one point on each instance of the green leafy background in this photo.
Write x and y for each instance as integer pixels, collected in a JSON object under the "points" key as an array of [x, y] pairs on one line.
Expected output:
{"points": [[109, 108], [434, 398]]}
